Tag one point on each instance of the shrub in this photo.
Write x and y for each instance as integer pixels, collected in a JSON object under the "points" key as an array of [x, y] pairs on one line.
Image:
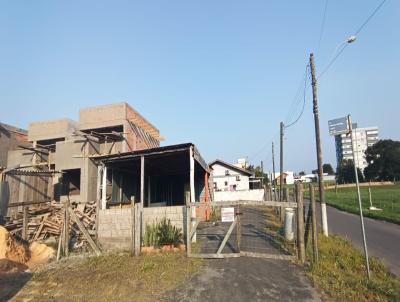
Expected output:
{"points": [[162, 233]]}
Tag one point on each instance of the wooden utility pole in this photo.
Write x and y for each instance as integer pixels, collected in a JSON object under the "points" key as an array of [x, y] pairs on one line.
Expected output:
{"points": [[300, 223], [314, 223], [262, 175], [273, 172], [281, 165], [319, 150]]}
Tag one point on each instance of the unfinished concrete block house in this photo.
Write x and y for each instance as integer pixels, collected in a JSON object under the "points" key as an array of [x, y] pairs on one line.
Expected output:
{"points": [[111, 155]]}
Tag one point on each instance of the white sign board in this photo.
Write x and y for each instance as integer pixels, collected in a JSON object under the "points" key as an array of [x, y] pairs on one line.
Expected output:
{"points": [[227, 214], [338, 126]]}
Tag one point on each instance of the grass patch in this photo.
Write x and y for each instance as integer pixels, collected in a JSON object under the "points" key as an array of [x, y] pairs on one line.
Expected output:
{"points": [[341, 273], [110, 277], [386, 198]]}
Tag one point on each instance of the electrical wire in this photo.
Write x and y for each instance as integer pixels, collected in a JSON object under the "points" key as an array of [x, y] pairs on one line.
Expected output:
{"points": [[369, 18], [296, 101], [322, 27], [304, 102], [355, 35]]}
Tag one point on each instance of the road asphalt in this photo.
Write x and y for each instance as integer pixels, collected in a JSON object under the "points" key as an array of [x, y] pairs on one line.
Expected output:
{"points": [[383, 238], [246, 279]]}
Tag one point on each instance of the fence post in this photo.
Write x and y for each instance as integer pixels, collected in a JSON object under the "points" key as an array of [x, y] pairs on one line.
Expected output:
{"points": [[188, 230], [133, 224], [300, 223], [25, 223], [137, 227], [314, 223], [66, 247]]}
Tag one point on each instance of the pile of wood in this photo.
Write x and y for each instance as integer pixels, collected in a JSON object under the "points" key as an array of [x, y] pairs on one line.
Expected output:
{"points": [[46, 220]]}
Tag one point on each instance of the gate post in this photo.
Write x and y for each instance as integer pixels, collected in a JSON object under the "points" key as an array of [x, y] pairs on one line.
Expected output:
{"points": [[300, 223]]}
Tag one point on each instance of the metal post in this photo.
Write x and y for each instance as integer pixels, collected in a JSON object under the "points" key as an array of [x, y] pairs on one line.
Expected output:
{"points": [[281, 164], [370, 195], [319, 149], [354, 149], [273, 172]]}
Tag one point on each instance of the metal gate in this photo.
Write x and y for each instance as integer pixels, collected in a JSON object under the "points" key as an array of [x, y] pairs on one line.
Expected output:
{"points": [[264, 229]]}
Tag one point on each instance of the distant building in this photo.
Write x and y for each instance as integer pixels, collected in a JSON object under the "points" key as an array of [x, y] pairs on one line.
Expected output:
{"points": [[288, 178], [363, 138], [241, 163], [10, 138], [229, 177]]}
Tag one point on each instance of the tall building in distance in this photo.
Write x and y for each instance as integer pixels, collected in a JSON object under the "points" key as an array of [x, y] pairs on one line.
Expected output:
{"points": [[363, 138]]}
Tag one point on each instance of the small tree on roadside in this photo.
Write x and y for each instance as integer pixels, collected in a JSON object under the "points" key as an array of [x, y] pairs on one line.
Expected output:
{"points": [[302, 173], [345, 172], [327, 168], [258, 173]]}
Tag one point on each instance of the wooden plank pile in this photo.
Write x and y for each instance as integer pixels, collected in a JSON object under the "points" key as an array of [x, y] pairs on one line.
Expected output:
{"points": [[46, 221]]}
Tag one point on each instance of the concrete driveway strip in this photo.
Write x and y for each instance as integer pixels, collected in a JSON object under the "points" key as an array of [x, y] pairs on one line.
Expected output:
{"points": [[383, 238], [246, 279]]}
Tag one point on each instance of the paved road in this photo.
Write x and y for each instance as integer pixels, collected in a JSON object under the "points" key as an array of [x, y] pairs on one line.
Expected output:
{"points": [[383, 238], [246, 279]]}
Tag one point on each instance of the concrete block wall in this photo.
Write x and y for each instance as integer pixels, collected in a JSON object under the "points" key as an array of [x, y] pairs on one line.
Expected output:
{"points": [[176, 214], [55, 129], [115, 227]]}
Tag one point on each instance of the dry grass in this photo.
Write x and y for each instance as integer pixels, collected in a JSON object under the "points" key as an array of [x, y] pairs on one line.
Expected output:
{"points": [[341, 274], [111, 277]]}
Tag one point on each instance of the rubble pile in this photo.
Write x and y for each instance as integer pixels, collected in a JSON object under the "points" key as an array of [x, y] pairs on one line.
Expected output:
{"points": [[45, 221]]}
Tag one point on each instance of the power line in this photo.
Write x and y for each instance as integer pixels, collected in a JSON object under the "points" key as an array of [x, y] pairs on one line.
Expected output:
{"points": [[332, 61], [304, 102], [369, 18], [322, 26], [351, 39], [296, 101]]}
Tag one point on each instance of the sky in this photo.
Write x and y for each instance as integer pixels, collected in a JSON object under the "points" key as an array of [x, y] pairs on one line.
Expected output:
{"points": [[221, 74]]}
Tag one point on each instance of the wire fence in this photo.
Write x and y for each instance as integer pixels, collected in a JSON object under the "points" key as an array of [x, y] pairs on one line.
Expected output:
{"points": [[253, 229]]}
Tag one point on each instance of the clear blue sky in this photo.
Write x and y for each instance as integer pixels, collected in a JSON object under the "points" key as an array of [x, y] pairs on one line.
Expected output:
{"points": [[221, 74]]}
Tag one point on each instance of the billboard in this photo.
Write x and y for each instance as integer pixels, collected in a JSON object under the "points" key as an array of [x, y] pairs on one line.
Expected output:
{"points": [[338, 126]]}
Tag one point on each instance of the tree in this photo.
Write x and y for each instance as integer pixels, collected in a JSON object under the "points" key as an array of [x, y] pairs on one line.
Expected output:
{"points": [[383, 160], [258, 173], [314, 171], [302, 173], [345, 172], [327, 168]]}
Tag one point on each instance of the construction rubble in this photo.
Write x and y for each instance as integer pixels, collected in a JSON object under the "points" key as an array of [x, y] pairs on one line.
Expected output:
{"points": [[45, 223]]}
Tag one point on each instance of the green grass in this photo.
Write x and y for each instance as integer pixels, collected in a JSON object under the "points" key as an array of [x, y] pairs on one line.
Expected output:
{"points": [[341, 275], [386, 198], [110, 277]]}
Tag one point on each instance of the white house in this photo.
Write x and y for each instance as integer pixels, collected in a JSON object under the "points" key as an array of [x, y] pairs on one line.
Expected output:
{"points": [[228, 177], [288, 177], [233, 183]]}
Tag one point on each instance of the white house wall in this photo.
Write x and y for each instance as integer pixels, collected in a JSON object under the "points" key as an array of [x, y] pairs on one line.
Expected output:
{"points": [[220, 178], [254, 195]]}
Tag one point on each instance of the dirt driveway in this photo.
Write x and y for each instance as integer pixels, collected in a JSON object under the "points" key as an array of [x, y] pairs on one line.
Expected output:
{"points": [[246, 279]]}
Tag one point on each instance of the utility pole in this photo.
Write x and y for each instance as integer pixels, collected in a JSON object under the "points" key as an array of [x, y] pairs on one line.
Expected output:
{"points": [[262, 175], [281, 165], [354, 149], [318, 145], [273, 171]]}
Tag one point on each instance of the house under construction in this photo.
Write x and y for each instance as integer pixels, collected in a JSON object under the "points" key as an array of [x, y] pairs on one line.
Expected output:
{"points": [[111, 155]]}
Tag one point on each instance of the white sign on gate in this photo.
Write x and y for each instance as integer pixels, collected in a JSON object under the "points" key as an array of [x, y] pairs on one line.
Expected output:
{"points": [[227, 214]]}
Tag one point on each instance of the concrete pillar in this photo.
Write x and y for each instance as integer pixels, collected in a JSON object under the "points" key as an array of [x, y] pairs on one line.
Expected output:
{"points": [[104, 189]]}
